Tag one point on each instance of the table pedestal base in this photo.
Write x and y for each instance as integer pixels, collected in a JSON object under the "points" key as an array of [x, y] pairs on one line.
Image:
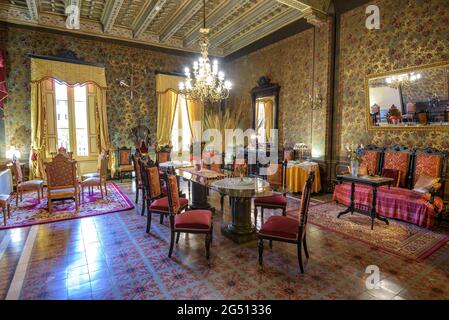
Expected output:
{"points": [[241, 229], [199, 198]]}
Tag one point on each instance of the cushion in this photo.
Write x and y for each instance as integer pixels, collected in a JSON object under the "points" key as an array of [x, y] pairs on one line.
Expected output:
{"points": [[162, 204], [91, 181], [194, 220], [428, 165], [154, 182], [4, 198], [32, 183], [61, 193], [398, 161], [276, 200], [424, 184], [363, 171], [90, 175], [393, 174], [280, 227]]}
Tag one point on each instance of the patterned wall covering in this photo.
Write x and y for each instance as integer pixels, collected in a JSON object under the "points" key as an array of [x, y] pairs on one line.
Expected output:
{"points": [[123, 113], [412, 33], [289, 63]]}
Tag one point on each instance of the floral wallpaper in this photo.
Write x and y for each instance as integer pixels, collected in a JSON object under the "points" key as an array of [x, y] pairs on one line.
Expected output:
{"points": [[290, 63], [413, 33], [123, 113]]}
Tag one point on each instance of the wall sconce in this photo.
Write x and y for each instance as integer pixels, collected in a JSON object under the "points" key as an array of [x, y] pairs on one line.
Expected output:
{"points": [[13, 154]]}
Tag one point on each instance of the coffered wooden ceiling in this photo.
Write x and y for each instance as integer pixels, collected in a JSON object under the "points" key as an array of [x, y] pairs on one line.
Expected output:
{"points": [[173, 24]]}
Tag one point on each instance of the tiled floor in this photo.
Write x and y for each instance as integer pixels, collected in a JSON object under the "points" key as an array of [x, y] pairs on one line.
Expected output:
{"points": [[111, 257]]}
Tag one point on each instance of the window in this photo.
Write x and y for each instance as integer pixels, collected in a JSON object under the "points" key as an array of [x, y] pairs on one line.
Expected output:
{"points": [[181, 135], [260, 117], [72, 115]]}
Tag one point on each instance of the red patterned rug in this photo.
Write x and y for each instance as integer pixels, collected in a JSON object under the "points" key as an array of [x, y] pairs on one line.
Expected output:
{"points": [[30, 212], [400, 238]]}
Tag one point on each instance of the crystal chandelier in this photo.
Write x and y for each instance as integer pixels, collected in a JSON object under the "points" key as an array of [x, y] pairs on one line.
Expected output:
{"points": [[208, 83]]}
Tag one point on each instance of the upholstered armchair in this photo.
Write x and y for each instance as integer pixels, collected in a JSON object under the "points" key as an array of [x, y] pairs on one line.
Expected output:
{"points": [[62, 183], [124, 162], [24, 186], [286, 229], [99, 181]]}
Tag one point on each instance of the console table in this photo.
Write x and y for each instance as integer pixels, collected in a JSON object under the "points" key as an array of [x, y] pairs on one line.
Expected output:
{"points": [[374, 183]]}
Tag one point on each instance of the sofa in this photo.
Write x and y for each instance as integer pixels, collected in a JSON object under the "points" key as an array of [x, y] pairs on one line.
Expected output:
{"points": [[402, 201]]}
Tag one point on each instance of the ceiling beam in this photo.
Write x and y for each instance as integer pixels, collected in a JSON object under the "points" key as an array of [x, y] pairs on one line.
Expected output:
{"points": [[320, 5], [276, 23], [147, 17], [110, 13], [216, 18], [259, 11], [32, 9], [180, 19]]}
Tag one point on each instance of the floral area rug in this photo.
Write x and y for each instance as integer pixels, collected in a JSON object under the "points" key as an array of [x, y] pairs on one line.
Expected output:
{"points": [[400, 238], [30, 212]]}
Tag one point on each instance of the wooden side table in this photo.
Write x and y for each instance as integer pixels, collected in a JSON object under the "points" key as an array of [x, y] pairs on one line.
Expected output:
{"points": [[5, 203]]}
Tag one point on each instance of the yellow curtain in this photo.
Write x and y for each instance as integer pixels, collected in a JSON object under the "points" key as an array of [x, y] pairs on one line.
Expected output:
{"points": [[268, 108], [70, 73], [103, 140], [167, 99], [195, 110], [38, 124]]}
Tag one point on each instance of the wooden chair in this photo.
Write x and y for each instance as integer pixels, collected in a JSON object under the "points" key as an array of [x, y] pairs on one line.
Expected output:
{"points": [[285, 229], [62, 182], [5, 203], [96, 174], [156, 201], [138, 182], [274, 202], [24, 186], [191, 221], [124, 162], [99, 181]]}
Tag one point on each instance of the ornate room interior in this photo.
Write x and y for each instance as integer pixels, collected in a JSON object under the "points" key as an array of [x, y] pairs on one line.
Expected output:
{"points": [[224, 149]]}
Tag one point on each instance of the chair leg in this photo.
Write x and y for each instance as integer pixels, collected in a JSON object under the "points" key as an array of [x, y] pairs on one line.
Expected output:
{"points": [[105, 188], [255, 216], [161, 219], [207, 246], [4, 215], [222, 202], [148, 221], [172, 242], [260, 246], [50, 208], [271, 244], [301, 267], [212, 233], [82, 194], [17, 197], [306, 250], [137, 193], [177, 237], [144, 200], [284, 211], [38, 196], [77, 208], [9, 210], [261, 216]]}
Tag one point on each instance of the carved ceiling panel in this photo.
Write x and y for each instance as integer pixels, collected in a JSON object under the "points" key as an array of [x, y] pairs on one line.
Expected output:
{"points": [[173, 24]]}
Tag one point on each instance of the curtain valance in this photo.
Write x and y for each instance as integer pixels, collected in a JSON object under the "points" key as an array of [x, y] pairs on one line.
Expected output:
{"points": [[166, 83], [70, 73]]}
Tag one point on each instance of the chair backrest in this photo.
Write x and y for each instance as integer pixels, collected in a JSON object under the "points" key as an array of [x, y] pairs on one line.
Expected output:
{"points": [[429, 162], [399, 158], [137, 170], [61, 173], [162, 156], [174, 205], [239, 165], [276, 175], [103, 170], [305, 202], [151, 180], [371, 159], [124, 156], [17, 172]]}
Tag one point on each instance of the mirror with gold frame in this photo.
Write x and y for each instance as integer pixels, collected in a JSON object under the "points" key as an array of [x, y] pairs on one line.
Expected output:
{"points": [[265, 100], [414, 98]]}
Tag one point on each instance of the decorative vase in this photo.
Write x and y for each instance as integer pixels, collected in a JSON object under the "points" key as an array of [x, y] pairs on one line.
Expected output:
{"points": [[354, 168]]}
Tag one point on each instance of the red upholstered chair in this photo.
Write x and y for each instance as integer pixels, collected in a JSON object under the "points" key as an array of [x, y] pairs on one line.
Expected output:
{"points": [[191, 221], [286, 229], [155, 199], [399, 158], [429, 162], [275, 202]]}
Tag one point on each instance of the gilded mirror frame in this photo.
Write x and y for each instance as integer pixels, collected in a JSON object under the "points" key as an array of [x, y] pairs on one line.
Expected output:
{"points": [[428, 127]]}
